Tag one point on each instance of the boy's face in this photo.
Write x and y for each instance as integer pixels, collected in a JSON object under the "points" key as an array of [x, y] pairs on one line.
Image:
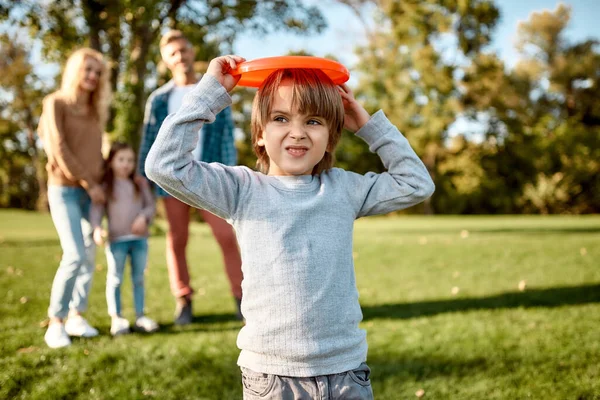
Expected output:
{"points": [[294, 142], [178, 55]]}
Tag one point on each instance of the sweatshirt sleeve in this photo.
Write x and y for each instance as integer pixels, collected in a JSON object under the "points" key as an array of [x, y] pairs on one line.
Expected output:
{"points": [[170, 164], [406, 181], [54, 137]]}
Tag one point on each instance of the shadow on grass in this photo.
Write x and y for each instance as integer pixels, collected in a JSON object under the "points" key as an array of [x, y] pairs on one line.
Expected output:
{"points": [[204, 323], [501, 230], [552, 297], [28, 243], [540, 231]]}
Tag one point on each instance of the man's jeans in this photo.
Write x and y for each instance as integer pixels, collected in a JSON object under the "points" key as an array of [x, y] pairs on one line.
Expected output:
{"points": [[70, 207], [116, 256]]}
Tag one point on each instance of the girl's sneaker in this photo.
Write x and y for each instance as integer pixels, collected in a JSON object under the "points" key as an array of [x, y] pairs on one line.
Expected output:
{"points": [[145, 324], [76, 325], [119, 326], [56, 336]]}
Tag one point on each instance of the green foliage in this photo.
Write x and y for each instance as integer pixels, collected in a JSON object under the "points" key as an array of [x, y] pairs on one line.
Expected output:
{"points": [[127, 32], [426, 64], [460, 307], [22, 174], [406, 72], [545, 116]]}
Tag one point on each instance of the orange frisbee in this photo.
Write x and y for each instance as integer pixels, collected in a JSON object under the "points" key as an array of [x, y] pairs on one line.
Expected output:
{"points": [[256, 71]]}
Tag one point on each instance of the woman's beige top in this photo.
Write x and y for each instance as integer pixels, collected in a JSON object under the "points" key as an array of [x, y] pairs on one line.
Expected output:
{"points": [[73, 142]]}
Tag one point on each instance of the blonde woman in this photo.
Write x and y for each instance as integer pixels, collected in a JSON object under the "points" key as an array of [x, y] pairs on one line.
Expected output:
{"points": [[71, 129]]}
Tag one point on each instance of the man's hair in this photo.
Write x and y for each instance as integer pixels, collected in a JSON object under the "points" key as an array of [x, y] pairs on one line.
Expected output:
{"points": [[313, 93], [171, 36]]}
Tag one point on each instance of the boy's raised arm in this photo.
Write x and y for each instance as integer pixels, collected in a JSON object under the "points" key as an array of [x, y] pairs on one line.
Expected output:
{"points": [[170, 163], [406, 182]]}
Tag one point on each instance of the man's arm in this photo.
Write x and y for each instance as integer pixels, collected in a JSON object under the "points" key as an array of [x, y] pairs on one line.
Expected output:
{"points": [[228, 149], [170, 163], [149, 132]]}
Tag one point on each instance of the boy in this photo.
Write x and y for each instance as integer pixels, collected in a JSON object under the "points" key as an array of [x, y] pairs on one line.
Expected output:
{"points": [[294, 222]]}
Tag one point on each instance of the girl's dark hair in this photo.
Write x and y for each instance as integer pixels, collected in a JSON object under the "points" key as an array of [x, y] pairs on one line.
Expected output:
{"points": [[109, 175]]}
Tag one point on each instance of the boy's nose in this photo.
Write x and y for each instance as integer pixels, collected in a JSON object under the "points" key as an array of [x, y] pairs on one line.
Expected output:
{"points": [[297, 133]]}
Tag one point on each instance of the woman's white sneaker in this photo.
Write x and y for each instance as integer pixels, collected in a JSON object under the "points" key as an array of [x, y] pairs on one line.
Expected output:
{"points": [[78, 326], [119, 326], [56, 336], [145, 324]]}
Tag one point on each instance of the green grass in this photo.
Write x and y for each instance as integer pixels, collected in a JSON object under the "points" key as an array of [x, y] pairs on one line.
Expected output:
{"points": [[489, 340]]}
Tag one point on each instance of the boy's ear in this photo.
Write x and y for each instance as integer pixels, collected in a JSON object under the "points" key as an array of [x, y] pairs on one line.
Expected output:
{"points": [[260, 140]]}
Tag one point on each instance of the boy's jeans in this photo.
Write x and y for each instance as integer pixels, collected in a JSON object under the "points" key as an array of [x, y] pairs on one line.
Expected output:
{"points": [[70, 207], [349, 385], [116, 255]]}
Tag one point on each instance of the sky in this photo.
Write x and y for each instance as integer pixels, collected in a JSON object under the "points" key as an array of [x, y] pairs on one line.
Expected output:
{"points": [[345, 30]]}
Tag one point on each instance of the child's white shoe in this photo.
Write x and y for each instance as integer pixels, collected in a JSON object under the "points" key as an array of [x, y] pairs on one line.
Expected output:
{"points": [[119, 326], [78, 326], [145, 324], [56, 336]]}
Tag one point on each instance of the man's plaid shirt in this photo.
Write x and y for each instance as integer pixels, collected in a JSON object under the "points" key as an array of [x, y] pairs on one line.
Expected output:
{"points": [[217, 138]]}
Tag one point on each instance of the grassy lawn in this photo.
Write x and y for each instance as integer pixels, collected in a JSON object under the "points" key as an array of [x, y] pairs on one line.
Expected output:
{"points": [[457, 307]]}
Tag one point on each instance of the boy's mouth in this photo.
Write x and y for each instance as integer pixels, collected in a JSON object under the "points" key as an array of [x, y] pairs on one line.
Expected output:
{"points": [[296, 151]]}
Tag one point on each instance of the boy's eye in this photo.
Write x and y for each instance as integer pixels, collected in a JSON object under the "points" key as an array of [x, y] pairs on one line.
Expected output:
{"points": [[279, 118], [314, 122]]}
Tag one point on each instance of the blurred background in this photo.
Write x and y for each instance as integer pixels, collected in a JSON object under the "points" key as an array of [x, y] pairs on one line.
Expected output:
{"points": [[499, 98]]}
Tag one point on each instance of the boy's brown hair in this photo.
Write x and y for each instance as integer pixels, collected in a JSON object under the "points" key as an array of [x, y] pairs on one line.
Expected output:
{"points": [[314, 94]]}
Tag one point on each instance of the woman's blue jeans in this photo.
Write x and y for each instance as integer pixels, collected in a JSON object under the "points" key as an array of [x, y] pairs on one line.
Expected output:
{"points": [[116, 256], [70, 208]]}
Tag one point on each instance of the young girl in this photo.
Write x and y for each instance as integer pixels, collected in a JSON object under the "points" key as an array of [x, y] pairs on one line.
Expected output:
{"points": [[294, 220], [71, 128], [130, 208]]}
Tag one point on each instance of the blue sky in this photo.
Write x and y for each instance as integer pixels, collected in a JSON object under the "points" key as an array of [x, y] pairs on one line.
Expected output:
{"points": [[345, 30]]}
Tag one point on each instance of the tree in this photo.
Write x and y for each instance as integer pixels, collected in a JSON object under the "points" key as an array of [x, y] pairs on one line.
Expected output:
{"points": [[543, 118], [22, 177], [413, 63], [127, 32], [565, 96]]}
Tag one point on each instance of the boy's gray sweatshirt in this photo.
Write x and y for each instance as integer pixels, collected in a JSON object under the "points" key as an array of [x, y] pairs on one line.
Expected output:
{"points": [[295, 234]]}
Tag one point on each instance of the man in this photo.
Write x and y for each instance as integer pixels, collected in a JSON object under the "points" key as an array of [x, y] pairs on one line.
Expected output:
{"points": [[215, 144]]}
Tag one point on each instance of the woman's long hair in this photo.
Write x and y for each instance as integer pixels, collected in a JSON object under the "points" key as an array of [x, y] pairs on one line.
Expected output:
{"points": [[74, 74], [109, 175]]}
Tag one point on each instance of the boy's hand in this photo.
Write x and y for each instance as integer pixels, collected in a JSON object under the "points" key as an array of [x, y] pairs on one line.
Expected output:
{"points": [[356, 116], [138, 227], [221, 68], [99, 236]]}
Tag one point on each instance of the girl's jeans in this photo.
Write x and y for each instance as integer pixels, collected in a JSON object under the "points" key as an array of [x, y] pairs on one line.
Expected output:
{"points": [[116, 255], [69, 207]]}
